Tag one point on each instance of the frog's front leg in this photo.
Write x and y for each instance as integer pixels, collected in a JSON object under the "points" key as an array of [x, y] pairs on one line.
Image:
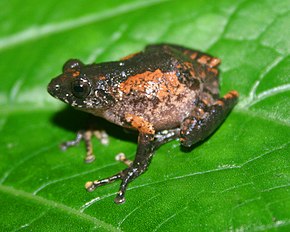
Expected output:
{"points": [[205, 119], [87, 135]]}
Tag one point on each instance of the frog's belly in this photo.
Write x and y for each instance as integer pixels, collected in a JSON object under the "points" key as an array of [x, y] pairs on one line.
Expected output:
{"points": [[169, 114], [168, 118], [162, 115]]}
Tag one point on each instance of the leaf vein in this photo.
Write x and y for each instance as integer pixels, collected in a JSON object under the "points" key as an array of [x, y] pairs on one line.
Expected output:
{"points": [[248, 101], [25, 159], [56, 205], [43, 186], [269, 93], [135, 209], [169, 218]]}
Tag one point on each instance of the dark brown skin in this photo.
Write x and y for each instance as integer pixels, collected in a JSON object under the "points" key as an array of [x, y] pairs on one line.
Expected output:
{"points": [[164, 92]]}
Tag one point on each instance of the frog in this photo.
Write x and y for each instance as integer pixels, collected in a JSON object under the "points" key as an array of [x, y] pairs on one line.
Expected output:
{"points": [[164, 92]]}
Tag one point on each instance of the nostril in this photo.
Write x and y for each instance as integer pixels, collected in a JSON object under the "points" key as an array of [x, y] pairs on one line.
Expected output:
{"points": [[57, 87]]}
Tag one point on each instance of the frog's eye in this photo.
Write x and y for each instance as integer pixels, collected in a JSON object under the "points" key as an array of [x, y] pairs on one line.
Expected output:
{"points": [[80, 88], [72, 65]]}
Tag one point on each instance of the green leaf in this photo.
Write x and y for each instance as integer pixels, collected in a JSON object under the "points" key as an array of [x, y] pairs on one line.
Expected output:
{"points": [[237, 180]]}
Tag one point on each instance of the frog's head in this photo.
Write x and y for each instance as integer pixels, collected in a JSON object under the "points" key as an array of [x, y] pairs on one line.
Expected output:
{"points": [[78, 87]]}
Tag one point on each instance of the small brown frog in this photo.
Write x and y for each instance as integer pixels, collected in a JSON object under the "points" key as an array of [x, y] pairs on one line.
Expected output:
{"points": [[164, 92]]}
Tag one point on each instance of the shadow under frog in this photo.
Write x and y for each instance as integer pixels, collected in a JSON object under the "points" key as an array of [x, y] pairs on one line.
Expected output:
{"points": [[75, 121]]}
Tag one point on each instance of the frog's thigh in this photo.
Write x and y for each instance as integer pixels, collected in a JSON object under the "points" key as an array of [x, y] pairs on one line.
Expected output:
{"points": [[205, 119], [200, 57]]}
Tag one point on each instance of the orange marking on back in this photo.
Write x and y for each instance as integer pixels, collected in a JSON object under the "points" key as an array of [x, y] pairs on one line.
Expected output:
{"points": [[76, 74], [214, 71], [152, 84], [231, 94], [129, 56], [193, 56], [220, 102], [214, 62], [192, 73], [210, 61], [203, 59], [188, 65]]}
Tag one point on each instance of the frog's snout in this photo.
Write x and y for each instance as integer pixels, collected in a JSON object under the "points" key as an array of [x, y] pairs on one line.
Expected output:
{"points": [[53, 88]]}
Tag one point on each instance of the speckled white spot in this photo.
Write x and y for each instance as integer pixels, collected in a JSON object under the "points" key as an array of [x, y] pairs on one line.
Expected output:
{"points": [[123, 74], [89, 103], [74, 103]]}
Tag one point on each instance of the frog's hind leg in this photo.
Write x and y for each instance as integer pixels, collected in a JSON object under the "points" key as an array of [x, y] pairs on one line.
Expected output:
{"points": [[200, 57], [122, 158], [147, 145], [206, 118]]}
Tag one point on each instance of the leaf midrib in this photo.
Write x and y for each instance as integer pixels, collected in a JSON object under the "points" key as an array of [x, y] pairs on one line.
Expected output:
{"points": [[56, 205]]}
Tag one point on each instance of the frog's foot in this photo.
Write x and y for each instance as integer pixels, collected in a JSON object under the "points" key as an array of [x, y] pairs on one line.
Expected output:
{"points": [[92, 185], [126, 176], [123, 159], [87, 137]]}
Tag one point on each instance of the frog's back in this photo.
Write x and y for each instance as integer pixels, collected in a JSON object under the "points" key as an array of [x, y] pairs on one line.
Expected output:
{"points": [[162, 85], [195, 69], [156, 88]]}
